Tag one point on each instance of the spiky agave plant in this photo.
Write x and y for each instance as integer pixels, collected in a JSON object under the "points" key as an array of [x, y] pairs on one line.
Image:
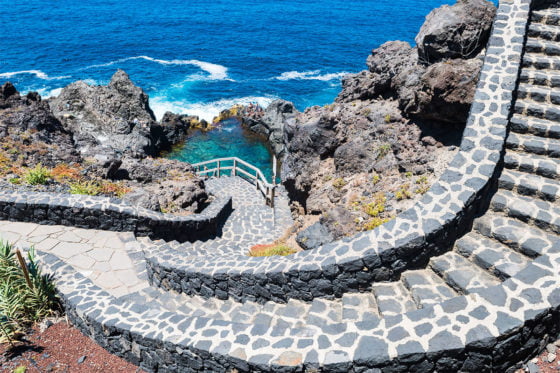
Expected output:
{"points": [[42, 297], [21, 304]]}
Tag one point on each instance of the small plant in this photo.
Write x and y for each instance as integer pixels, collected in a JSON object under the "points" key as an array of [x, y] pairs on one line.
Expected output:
{"points": [[64, 172], [376, 207], [37, 175], [327, 178], [374, 223], [388, 118], [339, 183], [376, 179], [422, 185], [26, 295], [116, 189], [383, 150], [271, 250], [15, 180], [88, 188], [408, 174], [403, 192]]}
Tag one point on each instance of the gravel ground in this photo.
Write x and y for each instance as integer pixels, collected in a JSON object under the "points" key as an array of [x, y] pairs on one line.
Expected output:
{"points": [[547, 362], [60, 348]]}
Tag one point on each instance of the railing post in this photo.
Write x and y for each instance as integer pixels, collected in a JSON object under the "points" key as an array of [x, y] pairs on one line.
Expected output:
{"points": [[272, 197], [234, 171], [219, 170], [274, 168]]}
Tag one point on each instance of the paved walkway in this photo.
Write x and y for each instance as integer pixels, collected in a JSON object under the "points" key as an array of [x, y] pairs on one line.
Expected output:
{"points": [[115, 260]]}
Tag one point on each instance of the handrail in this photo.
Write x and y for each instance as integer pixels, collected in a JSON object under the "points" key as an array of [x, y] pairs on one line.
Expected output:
{"points": [[215, 168]]}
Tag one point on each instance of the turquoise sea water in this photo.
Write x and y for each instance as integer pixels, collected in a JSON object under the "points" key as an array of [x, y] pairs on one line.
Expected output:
{"points": [[199, 57]]}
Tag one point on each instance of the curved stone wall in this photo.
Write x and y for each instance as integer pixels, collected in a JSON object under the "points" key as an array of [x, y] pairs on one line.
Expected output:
{"points": [[428, 228], [488, 331], [112, 214]]}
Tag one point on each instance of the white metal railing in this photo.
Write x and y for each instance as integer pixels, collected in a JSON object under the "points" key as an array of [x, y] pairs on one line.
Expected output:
{"points": [[233, 166]]}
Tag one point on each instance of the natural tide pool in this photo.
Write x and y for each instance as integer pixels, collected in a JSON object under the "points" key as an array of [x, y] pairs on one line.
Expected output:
{"points": [[228, 140]]}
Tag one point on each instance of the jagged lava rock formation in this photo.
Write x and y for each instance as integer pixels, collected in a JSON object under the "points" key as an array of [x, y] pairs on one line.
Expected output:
{"points": [[367, 156]]}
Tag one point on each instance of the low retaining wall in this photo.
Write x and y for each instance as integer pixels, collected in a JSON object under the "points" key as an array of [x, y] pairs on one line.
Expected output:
{"points": [[113, 215], [429, 228]]}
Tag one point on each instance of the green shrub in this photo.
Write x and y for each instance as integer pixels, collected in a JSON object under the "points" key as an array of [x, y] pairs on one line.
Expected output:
{"points": [[23, 303], [89, 188], [37, 175]]}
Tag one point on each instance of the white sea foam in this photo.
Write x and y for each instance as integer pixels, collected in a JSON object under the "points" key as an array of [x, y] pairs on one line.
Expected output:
{"points": [[215, 71], [205, 111], [310, 75], [47, 92], [38, 73]]}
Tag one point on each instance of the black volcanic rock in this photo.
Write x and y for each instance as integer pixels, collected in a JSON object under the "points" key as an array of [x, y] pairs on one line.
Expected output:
{"points": [[110, 121], [458, 31], [30, 131]]}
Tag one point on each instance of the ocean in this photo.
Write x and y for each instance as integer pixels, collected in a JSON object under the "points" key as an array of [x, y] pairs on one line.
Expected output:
{"points": [[200, 57]]}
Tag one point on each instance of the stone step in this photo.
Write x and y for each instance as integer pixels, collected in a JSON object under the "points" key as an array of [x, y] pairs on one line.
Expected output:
{"points": [[529, 240], [548, 17], [548, 48], [541, 61], [461, 274], [532, 163], [540, 213], [537, 109], [359, 306], [544, 31], [539, 93], [530, 185], [549, 78], [491, 255], [392, 298], [538, 127], [426, 287], [533, 144]]}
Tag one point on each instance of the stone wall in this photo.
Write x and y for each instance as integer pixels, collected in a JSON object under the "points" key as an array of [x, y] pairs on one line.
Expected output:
{"points": [[112, 214], [427, 229]]}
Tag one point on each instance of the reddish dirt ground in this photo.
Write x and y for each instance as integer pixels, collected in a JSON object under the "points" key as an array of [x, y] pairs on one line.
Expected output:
{"points": [[60, 348]]}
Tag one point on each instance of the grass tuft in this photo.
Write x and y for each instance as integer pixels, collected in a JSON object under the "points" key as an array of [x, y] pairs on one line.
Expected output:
{"points": [[271, 250]]}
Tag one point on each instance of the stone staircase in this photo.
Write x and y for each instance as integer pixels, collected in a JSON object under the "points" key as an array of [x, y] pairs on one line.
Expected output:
{"points": [[479, 303]]}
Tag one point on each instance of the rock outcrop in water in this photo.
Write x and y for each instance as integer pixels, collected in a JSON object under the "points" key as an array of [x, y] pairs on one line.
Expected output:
{"points": [[111, 121], [114, 127], [271, 124]]}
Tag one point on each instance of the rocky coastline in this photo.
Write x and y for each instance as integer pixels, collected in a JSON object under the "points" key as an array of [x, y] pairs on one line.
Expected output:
{"points": [[96, 140], [356, 163], [348, 166]]}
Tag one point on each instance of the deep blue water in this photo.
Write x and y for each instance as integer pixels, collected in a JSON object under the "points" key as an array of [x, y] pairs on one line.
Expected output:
{"points": [[199, 57]]}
